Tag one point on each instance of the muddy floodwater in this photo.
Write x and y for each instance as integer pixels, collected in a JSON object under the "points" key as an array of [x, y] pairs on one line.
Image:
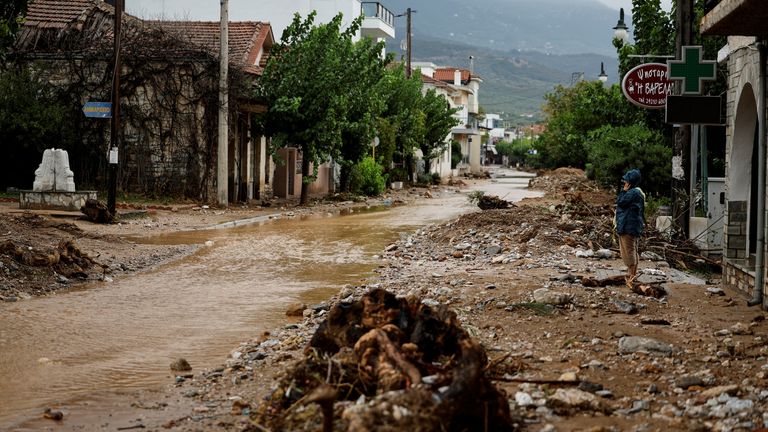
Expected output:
{"points": [[122, 336]]}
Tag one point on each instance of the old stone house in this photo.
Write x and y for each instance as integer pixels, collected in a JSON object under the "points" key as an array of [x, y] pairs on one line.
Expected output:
{"points": [[743, 21], [169, 96]]}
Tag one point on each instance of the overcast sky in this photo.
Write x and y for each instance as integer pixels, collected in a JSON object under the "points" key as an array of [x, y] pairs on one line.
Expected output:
{"points": [[241, 10]]}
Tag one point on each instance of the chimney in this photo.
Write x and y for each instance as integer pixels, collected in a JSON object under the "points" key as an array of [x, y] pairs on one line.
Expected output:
{"points": [[457, 77]]}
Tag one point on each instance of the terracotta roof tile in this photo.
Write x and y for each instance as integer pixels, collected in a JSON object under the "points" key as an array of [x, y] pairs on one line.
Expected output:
{"points": [[447, 75], [57, 13], [243, 37]]}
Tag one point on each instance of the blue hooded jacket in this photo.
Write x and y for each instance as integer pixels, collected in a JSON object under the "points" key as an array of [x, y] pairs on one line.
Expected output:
{"points": [[630, 206]]}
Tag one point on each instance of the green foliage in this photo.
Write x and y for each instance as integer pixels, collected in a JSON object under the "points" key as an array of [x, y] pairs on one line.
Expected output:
{"points": [[456, 155], [367, 178], [614, 150], [516, 151], [653, 204], [11, 17], [398, 174], [31, 120], [436, 179], [438, 122], [573, 112], [318, 85]]}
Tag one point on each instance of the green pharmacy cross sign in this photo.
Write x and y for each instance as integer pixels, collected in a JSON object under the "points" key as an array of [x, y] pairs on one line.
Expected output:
{"points": [[691, 70]]}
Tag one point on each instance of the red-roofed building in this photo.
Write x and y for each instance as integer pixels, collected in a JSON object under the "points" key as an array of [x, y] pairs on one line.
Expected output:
{"points": [[459, 87], [168, 96]]}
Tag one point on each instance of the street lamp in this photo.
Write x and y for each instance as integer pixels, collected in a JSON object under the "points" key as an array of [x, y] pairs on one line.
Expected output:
{"points": [[602, 77], [620, 31]]}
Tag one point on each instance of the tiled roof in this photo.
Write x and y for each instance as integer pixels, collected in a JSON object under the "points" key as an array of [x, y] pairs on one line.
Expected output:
{"points": [[447, 75], [426, 79], [245, 38], [57, 13]]}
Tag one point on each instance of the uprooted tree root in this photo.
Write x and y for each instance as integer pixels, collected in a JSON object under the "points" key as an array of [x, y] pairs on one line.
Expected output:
{"points": [[389, 364]]}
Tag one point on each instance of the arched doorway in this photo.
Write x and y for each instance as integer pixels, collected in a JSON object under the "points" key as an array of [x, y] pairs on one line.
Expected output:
{"points": [[742, 181]]}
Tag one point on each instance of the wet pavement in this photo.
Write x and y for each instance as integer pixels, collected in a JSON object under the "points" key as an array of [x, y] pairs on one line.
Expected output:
{"points": [[118, 337]]}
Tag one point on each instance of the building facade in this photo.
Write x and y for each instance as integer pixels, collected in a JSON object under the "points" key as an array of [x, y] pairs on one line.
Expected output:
{"points": [[744, 246]]}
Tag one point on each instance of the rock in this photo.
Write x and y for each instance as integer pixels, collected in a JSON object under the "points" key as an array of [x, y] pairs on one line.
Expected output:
{"points": [[687, 381], [296, 310], [181, 365], [523, 399], [53, 414], [604, 254], [716, 291], [651, 256], [565, 400], [462, 246], [625, 307], [607, 394], [633, 344], [391, 247], [544, 295], [585, 253], [492, 250], [741, 329], [717, 391], [570, 377], [191, 393], [591, 387]]}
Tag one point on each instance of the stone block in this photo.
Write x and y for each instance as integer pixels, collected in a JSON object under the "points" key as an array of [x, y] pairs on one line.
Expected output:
{"points": [[737, 206], [734, 229], [53, 174], [71, 201], [737, 242], [736, 217]]}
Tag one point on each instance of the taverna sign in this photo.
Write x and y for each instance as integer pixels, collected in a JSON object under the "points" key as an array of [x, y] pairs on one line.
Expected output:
{"points": [[647, 85]]}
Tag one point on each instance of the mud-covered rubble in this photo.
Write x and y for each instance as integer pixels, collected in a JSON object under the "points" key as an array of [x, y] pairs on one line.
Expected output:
{"points": [[560, 352], [40, 255]]}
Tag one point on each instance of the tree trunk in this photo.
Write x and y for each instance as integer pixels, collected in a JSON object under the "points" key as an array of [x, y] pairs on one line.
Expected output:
{"points": [[304, 176]]}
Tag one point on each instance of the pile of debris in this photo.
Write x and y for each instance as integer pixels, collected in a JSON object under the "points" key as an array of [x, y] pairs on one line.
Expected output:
{"points": [[387, 360]]}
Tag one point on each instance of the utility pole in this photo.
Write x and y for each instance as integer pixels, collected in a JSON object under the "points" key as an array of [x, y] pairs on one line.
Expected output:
{"points": [[681, 182], [408, 42], [222, 174], [115, 127]]}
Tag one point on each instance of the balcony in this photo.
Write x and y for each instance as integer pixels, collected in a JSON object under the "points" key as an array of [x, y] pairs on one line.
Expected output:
{"points": [[379, 22], [736, 18]]}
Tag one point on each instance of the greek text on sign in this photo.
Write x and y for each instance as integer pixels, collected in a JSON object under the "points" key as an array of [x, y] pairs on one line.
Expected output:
{"points": [[98, 109], [647, 85]]}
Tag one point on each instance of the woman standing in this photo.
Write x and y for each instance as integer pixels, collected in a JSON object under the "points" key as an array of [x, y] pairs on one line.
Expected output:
{"points": [[630, 221]]}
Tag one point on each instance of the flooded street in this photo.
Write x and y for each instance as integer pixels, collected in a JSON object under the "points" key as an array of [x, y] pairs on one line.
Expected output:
{"points": [[122, 336]]}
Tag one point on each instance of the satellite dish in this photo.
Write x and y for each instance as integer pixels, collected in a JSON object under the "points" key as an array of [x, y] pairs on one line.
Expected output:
{"points": [[375, 142]]}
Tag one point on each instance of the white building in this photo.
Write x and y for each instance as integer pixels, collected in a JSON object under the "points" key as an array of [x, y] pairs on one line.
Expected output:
{"points": [[379, 22], [460, 87]]}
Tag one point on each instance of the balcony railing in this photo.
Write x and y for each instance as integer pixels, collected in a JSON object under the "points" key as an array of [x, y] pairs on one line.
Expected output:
{"points": [[377, 10]]}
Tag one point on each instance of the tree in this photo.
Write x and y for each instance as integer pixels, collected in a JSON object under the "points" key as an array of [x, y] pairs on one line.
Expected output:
{"points": [[575, 111], [31, 119], [11, 17], [438, 122], [403, 114], [613, 150], [315, 85]]}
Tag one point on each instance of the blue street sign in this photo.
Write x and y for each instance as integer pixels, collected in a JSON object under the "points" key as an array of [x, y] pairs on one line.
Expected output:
{"points": [[98, 109]]}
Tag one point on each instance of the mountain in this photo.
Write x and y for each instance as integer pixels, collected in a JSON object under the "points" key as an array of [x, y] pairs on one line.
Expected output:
{"points": [[521, 48]]}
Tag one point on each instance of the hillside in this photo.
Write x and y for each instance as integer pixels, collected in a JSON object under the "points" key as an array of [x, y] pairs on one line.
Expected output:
{"points": [[522, 48], [514, 82]]}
